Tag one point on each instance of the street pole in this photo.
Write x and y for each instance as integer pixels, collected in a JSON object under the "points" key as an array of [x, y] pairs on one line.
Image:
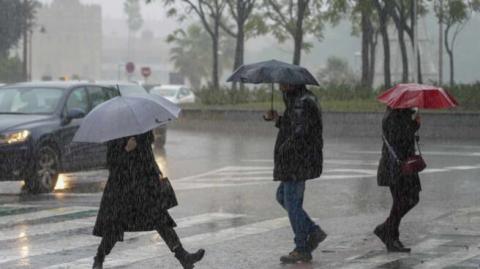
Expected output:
{"points": [[25, 41], [440, 45], [415, 42]]}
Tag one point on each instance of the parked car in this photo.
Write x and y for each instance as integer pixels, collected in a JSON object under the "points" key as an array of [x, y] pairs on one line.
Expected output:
{"points": [[178, 94], [38, 121]]}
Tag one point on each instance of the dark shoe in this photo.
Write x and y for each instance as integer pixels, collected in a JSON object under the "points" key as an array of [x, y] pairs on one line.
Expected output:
{"points": [[97, 263], [397, 246], [296, 256], [381, 233], [187, 260], [315, 238]]}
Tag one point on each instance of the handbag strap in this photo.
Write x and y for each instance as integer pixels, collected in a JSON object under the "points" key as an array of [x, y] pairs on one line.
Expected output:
{"points": [[418, 145], [390, 148]]}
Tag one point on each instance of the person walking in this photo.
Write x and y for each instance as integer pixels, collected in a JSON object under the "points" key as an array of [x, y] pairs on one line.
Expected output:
{"points": [[298, 157], [399, 128], [133, 201]]}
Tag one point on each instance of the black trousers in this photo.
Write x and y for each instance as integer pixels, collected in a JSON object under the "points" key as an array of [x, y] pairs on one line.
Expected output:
{"points": [[168, 235], [404, 199]]}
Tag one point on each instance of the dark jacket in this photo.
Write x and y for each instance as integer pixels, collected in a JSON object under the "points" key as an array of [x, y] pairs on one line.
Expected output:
{"points": [[399, 130], [131, 198], [298, 149]]}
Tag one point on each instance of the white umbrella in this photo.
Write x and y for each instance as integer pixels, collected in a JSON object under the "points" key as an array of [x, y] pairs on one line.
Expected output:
{"points": [[126, 116]]}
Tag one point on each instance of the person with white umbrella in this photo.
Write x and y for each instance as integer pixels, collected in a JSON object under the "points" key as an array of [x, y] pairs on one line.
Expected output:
{"points": [[136, 196]]}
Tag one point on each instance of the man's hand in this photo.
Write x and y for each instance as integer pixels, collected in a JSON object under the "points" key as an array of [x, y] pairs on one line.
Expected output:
{"points": [[131, 144], [271, 115]]}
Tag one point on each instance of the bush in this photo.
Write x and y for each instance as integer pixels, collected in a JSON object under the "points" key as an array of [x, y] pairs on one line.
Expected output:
{"points": [[467, 95], [10, 70]]}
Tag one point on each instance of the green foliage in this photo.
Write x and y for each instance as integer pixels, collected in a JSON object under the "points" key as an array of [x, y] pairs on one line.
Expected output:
{"points": [[337, 72], [190, 53], [284, 15], [350, 98], [468, 95], [15, 18], [10, 70], [132, 9]]}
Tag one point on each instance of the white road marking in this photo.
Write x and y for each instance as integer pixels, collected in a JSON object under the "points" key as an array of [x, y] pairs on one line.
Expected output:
{"points": [[451, 258], [84, 240], [154, 250], [13, 219], [373, 262]]}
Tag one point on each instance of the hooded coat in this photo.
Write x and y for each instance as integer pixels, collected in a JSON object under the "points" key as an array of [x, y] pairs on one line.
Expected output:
{"points": [[131, 199], [399, 130], [298, 151]]}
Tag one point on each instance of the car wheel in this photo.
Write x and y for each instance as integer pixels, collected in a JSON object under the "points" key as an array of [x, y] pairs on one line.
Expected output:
{"points": [[44, 177]]}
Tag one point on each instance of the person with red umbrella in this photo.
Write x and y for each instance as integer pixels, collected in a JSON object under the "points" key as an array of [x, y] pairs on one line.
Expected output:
{"points": [[399, 164]]}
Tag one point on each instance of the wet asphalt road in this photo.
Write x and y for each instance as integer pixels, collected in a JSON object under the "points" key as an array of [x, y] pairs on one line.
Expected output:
{"points": [[226, 195]]}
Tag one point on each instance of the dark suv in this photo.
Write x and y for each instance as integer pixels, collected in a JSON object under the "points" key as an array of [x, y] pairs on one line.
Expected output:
{"points": [[37, 123]]}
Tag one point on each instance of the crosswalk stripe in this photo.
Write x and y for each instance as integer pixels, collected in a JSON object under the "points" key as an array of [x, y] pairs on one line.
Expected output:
{"points": [[156, 249], [84, 240], [450, 258], [10, 220], [40, 229], [373, 262]]}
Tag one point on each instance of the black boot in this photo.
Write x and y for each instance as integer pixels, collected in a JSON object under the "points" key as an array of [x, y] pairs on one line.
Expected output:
{"points": [[187, 260], [315, 238], [392, 244], [98, 262]]}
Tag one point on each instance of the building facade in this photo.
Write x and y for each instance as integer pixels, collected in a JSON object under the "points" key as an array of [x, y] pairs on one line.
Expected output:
{"points": [[67, 41]]}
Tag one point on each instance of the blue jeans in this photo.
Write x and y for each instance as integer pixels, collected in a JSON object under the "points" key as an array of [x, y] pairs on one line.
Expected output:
{"points": [[290, 197]]}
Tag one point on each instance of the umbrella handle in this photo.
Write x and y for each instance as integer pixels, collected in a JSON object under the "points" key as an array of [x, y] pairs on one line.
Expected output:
{"points": [[271, 104]]}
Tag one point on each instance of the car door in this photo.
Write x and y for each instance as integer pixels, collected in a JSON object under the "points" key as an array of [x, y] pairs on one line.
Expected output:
{"points": [[75, 155], [97, 95]]}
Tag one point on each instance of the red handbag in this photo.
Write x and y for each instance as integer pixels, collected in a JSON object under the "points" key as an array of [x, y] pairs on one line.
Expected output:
{"points": [[413, 164]]}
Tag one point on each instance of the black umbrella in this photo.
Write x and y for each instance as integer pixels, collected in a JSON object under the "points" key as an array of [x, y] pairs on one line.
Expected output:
{"points": [[273, 71]]}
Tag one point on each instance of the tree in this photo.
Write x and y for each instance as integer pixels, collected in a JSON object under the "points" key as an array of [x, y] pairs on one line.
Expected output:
{"points": [[365, 22], [294, 19], [240, 10], [382, 8], [454, 14], [11, 25], [134, 20], [17, 19], [210, 14], [337, 72], [188, 53]]}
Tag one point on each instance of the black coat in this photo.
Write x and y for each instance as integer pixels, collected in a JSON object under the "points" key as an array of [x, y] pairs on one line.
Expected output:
{"points": [[131, 198], [298, 149], [399, 129]]}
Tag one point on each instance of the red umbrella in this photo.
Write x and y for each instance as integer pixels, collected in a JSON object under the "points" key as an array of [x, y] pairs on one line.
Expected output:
{"points": [[417, 95]]}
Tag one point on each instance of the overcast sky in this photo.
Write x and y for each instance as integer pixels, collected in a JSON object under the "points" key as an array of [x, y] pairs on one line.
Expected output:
{"points": [[114, 8]]}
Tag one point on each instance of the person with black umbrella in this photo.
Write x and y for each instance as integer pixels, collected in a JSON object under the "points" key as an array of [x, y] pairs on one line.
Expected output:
{"points": [[298, 154], [298, 157]]}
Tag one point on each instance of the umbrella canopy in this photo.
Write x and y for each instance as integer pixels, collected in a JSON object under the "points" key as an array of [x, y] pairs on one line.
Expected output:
{"points": [[125, 116], [417, 95], [273, 72]]}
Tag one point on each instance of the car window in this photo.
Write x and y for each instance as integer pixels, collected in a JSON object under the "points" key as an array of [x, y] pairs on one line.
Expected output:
{"points": [[30, 100], [97, 96], [184, 92], [77, 99], [165, 92], [111, 92], [129, 90]]}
